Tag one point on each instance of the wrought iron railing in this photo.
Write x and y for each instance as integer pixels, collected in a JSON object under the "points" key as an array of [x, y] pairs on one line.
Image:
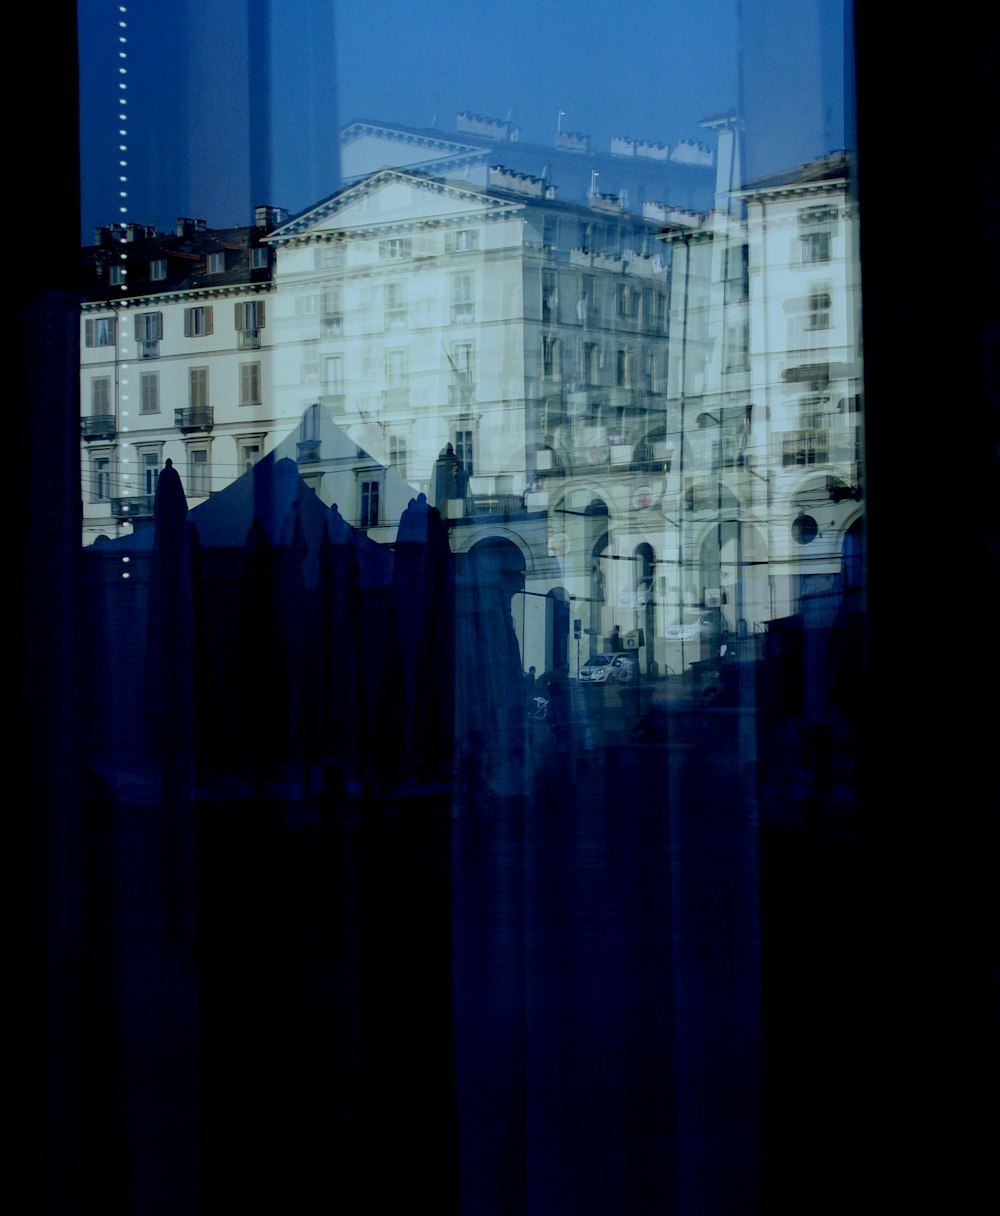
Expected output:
{"points": [[194, 418], [139, 506], [98, 426]]}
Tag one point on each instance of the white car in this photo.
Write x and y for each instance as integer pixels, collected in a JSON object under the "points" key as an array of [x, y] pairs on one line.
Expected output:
{"points": [[617, 668], [699, 623]]}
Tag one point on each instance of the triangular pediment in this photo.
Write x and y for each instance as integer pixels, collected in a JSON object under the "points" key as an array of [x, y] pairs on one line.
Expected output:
{"points": [[426, 143], [368, 147], [389, 197]]}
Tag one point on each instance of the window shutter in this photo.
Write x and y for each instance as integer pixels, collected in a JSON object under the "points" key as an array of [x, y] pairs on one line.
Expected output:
{"points": [[139, 334], [260, 314], [159, 325], [208, 319], [88, 329], [240, 317], [188, 322]]}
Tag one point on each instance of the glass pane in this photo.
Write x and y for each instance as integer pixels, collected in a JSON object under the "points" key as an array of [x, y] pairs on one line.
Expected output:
{"points": [[467, 776]]}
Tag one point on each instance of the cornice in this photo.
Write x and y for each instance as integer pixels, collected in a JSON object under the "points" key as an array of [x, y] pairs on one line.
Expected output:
{"points": [[178, 297], [401, 227], [835, 185], [397, 135]]}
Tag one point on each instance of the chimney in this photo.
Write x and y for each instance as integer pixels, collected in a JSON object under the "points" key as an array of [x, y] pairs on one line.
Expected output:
{"points": [[269, 217]]}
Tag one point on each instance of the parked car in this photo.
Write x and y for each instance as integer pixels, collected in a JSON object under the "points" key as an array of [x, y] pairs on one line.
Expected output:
{"points": [[698, 623], [617, 668]]}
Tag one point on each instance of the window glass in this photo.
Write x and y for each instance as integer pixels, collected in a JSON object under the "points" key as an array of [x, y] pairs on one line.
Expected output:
{"points": [[490, 692]]}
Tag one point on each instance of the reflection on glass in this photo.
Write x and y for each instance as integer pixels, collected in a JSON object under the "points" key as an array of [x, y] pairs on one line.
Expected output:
{"points": [[492, 407], [660, 411]]}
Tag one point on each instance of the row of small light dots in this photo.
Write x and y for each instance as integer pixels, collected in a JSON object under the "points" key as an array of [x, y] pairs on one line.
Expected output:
{"points": [[122, 211]]}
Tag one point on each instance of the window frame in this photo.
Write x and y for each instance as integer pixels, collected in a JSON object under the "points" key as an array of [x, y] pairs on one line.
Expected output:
{"points": [[819, 309], [103, 406], [150, 460], [370, 494], [395, 248], [464, 444], [817, 247], [398, 453], [199, 396], [463, 298], [243, 444], [105, 328], [146, 378], [199, 321], [199, 470], [101, 478], [247, 375]]}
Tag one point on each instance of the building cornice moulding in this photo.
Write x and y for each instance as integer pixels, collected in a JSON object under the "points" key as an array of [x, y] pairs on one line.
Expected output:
{"points": [[178, 297]]}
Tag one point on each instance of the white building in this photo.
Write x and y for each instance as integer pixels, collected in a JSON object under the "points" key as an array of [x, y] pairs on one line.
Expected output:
{"points": [[526, 334], [806, 368], [659, 421], [764, 404], [175, 363]]}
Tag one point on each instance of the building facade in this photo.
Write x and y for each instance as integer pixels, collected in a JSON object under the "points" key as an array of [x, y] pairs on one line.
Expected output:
{"points": [[503, 351], [175, 360], [658, 422], [765, 402]]}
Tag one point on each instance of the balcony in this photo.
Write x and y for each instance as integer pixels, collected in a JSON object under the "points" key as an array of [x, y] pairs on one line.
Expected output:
{"points": [[194, 418], [801, 449], [595, 455], [248, 339], [98, 426], [307, 451], [139, 506], [148, 348], [598, 450], [621, 397], [494, 504], [655, 457]]}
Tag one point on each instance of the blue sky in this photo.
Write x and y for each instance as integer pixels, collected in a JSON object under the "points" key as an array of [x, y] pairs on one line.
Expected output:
{"points": [[194, 70], [650, 69]]}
